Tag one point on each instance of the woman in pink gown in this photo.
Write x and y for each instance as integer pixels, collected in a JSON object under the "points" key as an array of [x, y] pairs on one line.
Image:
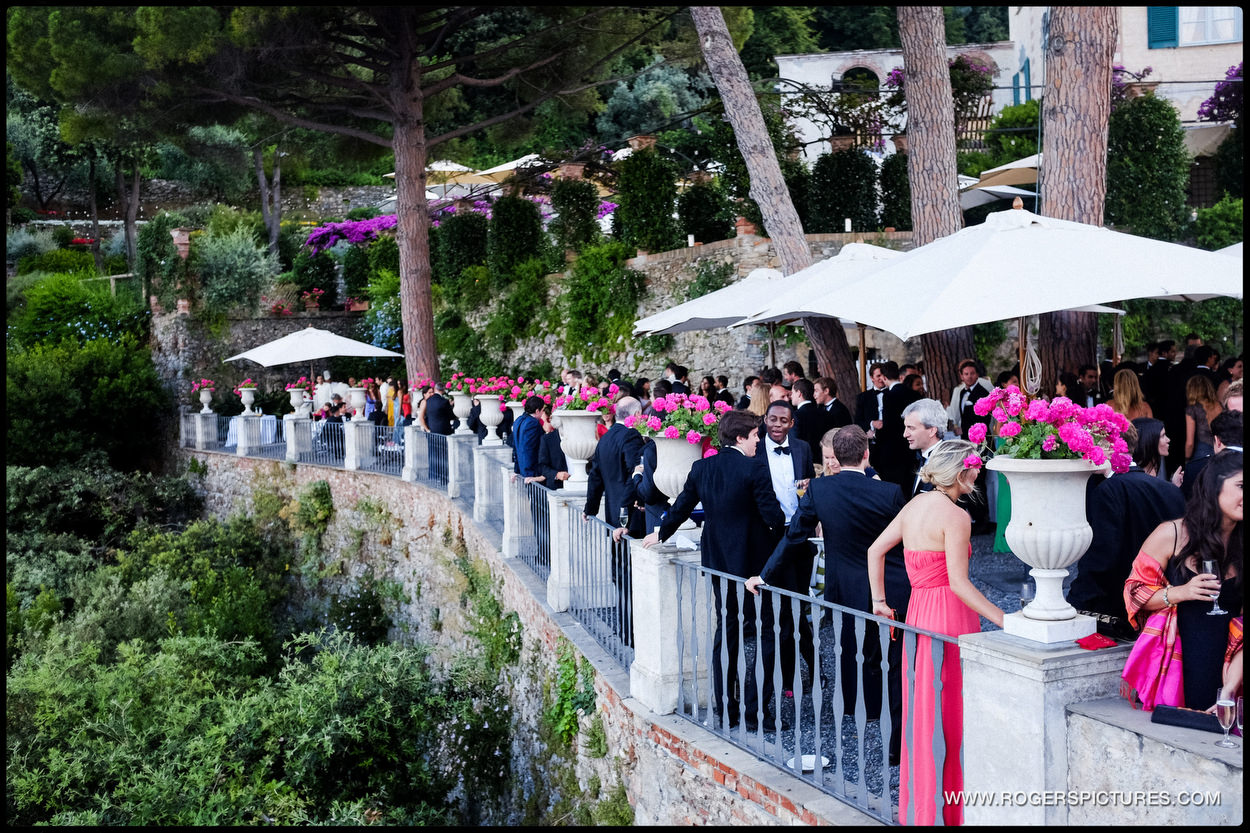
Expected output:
{"points": [[935, 534]]}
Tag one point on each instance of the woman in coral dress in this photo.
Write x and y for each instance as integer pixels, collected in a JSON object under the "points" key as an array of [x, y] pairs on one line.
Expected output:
{"points": [[935, 534]]}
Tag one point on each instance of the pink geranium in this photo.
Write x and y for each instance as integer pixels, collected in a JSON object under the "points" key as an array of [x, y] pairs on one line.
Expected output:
{"points": [[1034, 429]]}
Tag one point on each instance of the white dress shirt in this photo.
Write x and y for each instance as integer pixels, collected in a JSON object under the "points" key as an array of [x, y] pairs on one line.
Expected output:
{"points": [[781, 468]]}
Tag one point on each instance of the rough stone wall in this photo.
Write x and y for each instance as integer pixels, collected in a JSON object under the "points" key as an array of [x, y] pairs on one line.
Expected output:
{"points": [[672, 771]]}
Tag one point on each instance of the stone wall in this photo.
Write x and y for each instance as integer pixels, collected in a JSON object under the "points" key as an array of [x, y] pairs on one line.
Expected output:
{"points": [[672, 771]]}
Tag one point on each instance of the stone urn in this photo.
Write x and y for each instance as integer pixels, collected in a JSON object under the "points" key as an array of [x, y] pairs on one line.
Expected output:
{"points": [[673, 459], [461, 405], [206, 396], [248, 395], [1048, 529], [298, 401], [577, 440], [356, 396], [491, 417], [517, 409]]}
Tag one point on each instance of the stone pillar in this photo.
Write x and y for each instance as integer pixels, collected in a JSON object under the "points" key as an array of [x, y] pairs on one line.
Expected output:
{"points": [[1016, 694], [656, 674], [358, 450], [412, 435], [562, 506], [297, 429], [459, 461], [205, 432], [487, 462], [248, 434], [513, 504]]}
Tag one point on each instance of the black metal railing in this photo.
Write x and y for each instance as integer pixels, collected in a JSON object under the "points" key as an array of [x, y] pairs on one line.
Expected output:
{"points": [[600, 596]]}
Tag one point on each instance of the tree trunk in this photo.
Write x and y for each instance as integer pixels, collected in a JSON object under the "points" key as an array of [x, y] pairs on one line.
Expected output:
{"points": [[95, 217], [128, 202], [270, 204], [413, 226], [1076, 108], [768, 187], [932, 172]]}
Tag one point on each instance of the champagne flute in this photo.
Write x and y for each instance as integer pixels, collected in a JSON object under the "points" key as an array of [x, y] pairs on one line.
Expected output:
{"points": [[1239, 710], [1224, 712], [1027, 592], [1210, 565]]}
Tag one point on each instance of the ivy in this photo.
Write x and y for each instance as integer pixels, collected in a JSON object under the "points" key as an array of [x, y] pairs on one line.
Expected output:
{"points": [[574, 693], [709, 277]]}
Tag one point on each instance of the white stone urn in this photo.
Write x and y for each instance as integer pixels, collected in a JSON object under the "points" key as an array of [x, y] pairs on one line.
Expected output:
{"points": [[298, 401], [356, 396], [206, 397], [1048, 528], [517, 409], [461, 405], [491, 417], [248, 395], [577, 440], [673, 459]]}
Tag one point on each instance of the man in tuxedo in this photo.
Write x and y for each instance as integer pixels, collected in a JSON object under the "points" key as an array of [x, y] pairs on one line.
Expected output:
{"points": [[1088, 396], [617, 453], [1123, 510], [1154, 381], [642, 491], [923, 424], [742, 523], [810, 423], [894, 460], [852, 510], [788, 462], [791, 372], [552, 464], [971, 387], [723, 393], [825, 392], [869, 404], [527, 435]]}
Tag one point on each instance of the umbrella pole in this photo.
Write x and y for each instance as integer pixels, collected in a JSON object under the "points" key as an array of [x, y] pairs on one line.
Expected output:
{"points": [[1022, 337], [772, 344], [863, 359]]}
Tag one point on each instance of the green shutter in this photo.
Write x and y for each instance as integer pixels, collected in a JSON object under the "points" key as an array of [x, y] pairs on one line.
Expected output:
{"points": [[1162, 26], [1015, 88], [1028, 81]]}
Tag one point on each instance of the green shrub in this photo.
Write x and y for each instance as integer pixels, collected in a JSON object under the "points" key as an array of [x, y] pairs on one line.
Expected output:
{"points": [[709, 277], [1013, 133], [576, 202], [363, 212], [23, 243], [384, 255], [515, 234], [646, 195], [1230, 165], [895, 193], [60, 261], [22, 215], [520, 313], [63, 235], [63, 307], [108, 398], [356, 271], [156, 258], [234, 270], [319, 271], [844, 184], [1147, 169], [600, 301], [383, 324], [460, 242], [703, 212], [1220, 225]]}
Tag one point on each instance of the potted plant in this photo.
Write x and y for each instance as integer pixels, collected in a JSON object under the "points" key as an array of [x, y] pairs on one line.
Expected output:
{"points": [[312, 298], [301, 392], [247, 392], [353, 304], [576, 415], [204, 388], [461, 400], [277, 307], [684, 428], [1047, 451]]}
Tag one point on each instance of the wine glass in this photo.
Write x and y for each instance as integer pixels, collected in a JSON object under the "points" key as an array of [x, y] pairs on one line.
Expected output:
{"points": [[1027, 592], [1225, 710], [1239, 709], [1210, 565]]}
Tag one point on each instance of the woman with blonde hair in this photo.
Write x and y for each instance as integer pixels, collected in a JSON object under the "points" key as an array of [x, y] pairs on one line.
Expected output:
{"points": [[760, 398], [936, 537], [1202, 407], [1127, 397]]}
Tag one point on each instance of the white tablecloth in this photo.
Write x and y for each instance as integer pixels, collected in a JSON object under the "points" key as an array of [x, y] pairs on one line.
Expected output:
{"points": [[268, 430]]}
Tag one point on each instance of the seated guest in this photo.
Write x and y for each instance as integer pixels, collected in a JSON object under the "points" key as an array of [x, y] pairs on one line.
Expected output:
{"points": [[1168, 575], [1123, 510]]}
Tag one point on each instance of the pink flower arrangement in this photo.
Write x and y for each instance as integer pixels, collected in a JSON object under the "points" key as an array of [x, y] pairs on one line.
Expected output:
{"points": [[1057, 430], [678, 416], [973, 461], [203, 384], [588, 398], [302, 384], [246, 384]]}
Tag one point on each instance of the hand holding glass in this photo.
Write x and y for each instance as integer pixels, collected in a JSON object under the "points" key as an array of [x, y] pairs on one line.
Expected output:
{"points": [[1210, 565]]}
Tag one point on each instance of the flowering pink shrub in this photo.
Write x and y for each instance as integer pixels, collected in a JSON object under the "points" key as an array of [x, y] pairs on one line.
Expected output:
{"points": [[1059, 430]]}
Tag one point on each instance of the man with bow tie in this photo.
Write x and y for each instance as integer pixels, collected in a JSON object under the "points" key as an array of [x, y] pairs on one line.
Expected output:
{"points": [[923, 424], [971, 387]]}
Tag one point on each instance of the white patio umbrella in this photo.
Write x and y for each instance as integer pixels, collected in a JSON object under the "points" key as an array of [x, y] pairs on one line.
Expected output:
{"points": [[1233, 250], [1020, 172], [501, 172], [309, 345], [980, 195]]}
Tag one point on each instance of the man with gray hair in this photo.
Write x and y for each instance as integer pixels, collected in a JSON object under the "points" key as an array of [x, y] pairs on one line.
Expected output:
{"points": [[923, 424]]}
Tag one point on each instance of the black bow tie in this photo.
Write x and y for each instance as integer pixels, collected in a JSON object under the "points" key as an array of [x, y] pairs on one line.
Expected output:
{"points": [[781, 449]]}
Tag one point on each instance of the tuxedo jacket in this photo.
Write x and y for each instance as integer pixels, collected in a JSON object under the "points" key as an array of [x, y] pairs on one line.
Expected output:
{"points": [[894, 457], [964, 415], [618, 451], [810, 424], [866, 408], [551, 459], [836, 415], [527, 436], [852, 510], [800, 457], [742, 519], [643, 491]]}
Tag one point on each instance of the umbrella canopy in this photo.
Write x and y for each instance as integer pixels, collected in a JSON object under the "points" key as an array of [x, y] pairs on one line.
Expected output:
{"points": [[721, 308], [311, 344], [1233, 250], [1017, 263], [501, 172], [980, 195], [811, 283], [1020, 172]]}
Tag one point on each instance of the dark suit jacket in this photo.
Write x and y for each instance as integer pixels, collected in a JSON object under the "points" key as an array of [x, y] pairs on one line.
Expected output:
{"points": [[1123, 510], [551, 459], [852, 509], [618, 451], [866, 408], [800, 457], [810, 424], [643, 491], [438, 414], [680, 387], [741, 517], [836, 415], [967, 416], [529, 432], [893, 456]]}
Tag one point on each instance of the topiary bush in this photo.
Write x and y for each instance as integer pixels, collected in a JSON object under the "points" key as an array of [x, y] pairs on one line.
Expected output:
{"points": [[576, 202], [515, 234], [1220, 225], [703, 211], [600, 301], [646, 194], [1147, 169], [356, 271], [895, 193], [460, 242], [844, 184]]}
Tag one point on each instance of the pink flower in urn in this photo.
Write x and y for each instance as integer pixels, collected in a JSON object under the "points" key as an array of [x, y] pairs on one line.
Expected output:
{"points": [[976, 434], [1010, 429], [630, 420], [672, 432], [709, 419], [710, 452], [654, 423], [1049, 443], [693, 437]]}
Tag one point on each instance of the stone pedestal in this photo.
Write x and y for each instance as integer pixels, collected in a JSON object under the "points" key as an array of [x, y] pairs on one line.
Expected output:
{"points": [[412, 435], [563, 506], [1016, 694], [1049, 632], [205, 431], [459, 462], [248, 434], [491, 467], [358, 450], [297, 429], [656, 674]]}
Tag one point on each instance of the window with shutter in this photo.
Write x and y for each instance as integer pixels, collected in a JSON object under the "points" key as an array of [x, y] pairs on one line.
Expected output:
{"points": [[1162, 26]]}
